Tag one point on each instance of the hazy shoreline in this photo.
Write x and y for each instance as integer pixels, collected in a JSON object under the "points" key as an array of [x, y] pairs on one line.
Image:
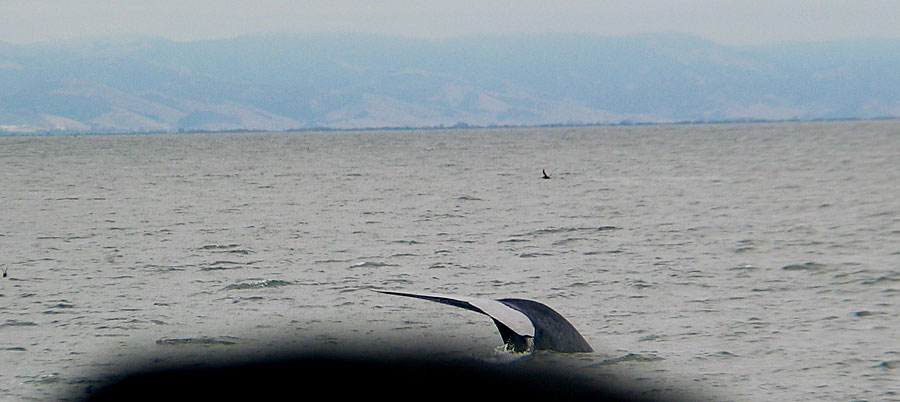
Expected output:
{"points": [[455, 127]]}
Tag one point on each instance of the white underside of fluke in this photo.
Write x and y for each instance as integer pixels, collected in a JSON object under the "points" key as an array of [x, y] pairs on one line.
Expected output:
{"points": [[514, 319], [506, 315]]}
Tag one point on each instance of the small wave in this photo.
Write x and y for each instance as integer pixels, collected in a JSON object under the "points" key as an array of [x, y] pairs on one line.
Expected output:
{"points": [[218, 246], [630, 357], [251, 298], [271, 283], [534, 255], [45, 379], [329, 261], [744, 267], [544, 231], [410, 242], [404, 255], [168, 267], [640, 284], [889, 365], [225, 248], [567, 229], [582, 284], [225, 264], [883, 278], [15, 323], [372, 264], [500, 284], [430, 216], [865, 313], [53, 312], [394, 281], [651, 337], [203, 340], [807, 266], [603, 252], [568, 240]]}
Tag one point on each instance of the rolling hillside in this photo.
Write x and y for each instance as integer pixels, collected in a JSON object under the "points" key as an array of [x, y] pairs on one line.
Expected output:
{"points": [[280, 82]]}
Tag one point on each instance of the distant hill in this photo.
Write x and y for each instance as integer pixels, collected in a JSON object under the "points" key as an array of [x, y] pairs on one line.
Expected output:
{"points": [[279, 82]]}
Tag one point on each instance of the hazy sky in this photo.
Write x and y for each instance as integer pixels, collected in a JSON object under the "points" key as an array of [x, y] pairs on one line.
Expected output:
{"points": [[728, 22]]}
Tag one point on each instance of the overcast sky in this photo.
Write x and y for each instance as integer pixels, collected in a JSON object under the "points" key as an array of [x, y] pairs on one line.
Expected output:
{"points": [[727, 22]]}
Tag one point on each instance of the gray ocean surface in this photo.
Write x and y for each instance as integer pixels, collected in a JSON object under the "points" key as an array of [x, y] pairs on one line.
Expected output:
{"points": [[747, 262]]}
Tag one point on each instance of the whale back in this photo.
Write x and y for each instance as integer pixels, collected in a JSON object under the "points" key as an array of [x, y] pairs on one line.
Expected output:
{"points": [[551, 330]]}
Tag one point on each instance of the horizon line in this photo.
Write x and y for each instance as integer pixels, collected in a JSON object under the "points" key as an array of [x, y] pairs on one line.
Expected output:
{"points": [[457, 126], [465, 36]]}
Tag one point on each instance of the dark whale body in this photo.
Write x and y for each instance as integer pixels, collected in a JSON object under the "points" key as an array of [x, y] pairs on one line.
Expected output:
{"points": [[551, 330], [523, 324]]}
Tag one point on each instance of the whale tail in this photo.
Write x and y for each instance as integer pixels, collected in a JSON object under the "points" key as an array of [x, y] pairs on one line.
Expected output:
{"points": [[524, 325]]}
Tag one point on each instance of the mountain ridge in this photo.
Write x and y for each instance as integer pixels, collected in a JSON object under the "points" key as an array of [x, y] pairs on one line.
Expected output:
{"points": [[347, 81]]}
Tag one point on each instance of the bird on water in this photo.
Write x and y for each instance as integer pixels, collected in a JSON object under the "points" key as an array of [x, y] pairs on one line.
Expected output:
{"points": [[546, 176], [525, 325]]}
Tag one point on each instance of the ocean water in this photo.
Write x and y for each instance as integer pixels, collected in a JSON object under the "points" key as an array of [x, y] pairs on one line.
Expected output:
{"points": [[747, 262]]}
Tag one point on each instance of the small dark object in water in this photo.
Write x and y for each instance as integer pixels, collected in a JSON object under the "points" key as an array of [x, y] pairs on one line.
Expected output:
{"points": [[524, 325], [546, 176], [4, 272]]}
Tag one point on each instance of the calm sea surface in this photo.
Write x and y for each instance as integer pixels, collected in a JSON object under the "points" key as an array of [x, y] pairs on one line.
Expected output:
{"points": [[749, 262]]}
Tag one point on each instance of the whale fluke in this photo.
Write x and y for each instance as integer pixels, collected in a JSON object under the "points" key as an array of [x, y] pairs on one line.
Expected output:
{"points": [[546, 176], [525, 325]]}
